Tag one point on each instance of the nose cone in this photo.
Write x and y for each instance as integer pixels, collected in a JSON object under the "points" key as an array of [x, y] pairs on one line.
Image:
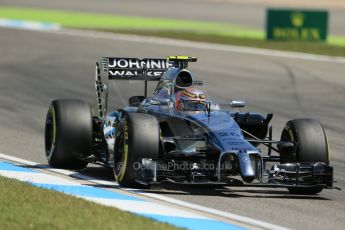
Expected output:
{"points": [[246, 166]]}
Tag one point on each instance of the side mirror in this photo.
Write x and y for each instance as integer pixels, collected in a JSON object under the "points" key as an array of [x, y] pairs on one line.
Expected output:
{"points": [[198, 83], [237, 103]]}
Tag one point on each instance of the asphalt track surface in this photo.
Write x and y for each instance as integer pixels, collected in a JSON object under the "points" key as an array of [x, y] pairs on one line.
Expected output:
{"points": [[252, 15], [37, 67]]}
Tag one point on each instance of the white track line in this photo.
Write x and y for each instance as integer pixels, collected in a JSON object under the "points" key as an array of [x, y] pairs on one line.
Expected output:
{"points": [[59, 171], [198, 45], [216, 212], [145, 207], [212, 211]]}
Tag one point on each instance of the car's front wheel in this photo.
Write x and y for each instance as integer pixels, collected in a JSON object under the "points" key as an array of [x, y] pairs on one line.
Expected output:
{"points": [[137, 136], [311, 146]]}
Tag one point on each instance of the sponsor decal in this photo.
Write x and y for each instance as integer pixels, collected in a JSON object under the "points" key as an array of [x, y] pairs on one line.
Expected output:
{"points": [[134, 68]]}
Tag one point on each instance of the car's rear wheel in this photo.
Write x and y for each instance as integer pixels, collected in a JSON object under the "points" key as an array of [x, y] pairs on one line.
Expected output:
{"points": [[68, 133], [137, 137], [311, 146]]}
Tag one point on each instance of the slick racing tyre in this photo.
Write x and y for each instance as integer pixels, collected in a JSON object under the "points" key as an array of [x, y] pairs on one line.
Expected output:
{"points": [[137, 136], [311, 146], [68, 133]]}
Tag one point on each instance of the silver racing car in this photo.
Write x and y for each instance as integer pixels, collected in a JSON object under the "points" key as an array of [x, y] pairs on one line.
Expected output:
{"points": [[179, 135]]}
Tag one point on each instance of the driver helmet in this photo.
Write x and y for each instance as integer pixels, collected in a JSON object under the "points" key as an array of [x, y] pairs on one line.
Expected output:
{"points": [[190, 99]]}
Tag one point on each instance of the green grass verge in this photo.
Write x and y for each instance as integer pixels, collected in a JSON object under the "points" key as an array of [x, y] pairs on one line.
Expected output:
{"points": [[173, 28], [23, 206]]}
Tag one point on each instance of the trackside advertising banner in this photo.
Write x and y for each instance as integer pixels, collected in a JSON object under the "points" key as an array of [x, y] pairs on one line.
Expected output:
{"points": [[296, 25]]}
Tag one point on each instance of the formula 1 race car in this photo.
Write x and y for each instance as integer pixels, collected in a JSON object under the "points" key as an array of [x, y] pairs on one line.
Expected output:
{"points": [[179, 135]]}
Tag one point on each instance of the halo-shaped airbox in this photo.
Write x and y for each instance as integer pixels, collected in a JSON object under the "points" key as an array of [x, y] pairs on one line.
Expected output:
{"points": [[184, 79]]}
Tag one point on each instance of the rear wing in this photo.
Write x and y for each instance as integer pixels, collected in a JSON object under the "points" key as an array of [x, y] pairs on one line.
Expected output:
{"points": [[151, 69], [136, 69], [119, 68]]}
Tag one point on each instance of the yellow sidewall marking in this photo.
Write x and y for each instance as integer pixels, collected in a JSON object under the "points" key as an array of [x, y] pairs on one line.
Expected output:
{"points": [[124, 165]]}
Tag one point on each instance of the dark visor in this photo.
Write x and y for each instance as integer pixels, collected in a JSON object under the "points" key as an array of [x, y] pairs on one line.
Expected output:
{"points": [[190, 105]]}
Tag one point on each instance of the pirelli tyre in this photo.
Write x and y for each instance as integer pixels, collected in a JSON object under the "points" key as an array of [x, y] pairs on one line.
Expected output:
{"points": [[137, 136], [311, 145], [68, 133]]}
